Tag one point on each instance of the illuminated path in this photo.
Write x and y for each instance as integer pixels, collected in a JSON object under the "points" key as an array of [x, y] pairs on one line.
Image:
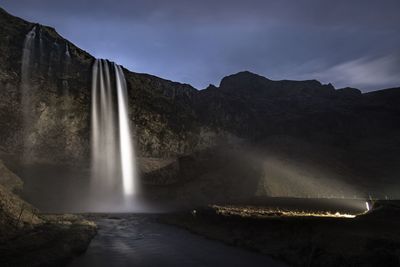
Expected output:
{"points": [[137, 240]]}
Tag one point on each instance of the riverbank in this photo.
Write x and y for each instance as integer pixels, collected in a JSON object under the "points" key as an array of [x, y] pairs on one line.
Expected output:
{"points": [[372, 239]]}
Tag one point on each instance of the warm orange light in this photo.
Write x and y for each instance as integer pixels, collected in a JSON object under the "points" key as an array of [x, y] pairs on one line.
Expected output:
{"points": [[252, 211]]}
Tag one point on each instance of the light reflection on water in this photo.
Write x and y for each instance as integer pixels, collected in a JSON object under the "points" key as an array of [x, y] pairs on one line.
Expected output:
{"points": [[137, 240]]}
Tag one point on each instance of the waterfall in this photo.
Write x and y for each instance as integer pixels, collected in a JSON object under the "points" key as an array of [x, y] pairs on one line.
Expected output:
{"points": [[67, 54], [125, 139], [28, 64], [66, 66], [27, 54], [26, 67], [113, 160]]}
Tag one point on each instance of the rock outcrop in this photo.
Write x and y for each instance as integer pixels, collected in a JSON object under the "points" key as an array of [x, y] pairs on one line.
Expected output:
{"points": [[30, 238], [15, 213]]}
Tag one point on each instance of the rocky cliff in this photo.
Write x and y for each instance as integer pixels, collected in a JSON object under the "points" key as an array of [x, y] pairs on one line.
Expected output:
{"points": [[301, 132], [60, 88]]}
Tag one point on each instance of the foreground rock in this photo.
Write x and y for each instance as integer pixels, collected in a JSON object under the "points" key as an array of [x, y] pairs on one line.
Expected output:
{"points": [[51, 243], [28, 238], [367, 240]]}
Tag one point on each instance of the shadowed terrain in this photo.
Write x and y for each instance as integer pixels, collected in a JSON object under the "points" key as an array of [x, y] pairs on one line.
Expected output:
{"points": [[367, 240]]}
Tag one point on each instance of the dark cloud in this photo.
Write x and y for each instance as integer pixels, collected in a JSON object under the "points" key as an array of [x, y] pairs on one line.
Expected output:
{"points": [[350, 43]]}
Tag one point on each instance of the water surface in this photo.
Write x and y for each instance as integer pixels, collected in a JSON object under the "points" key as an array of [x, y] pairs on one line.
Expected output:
{"points": [[139, 240]]}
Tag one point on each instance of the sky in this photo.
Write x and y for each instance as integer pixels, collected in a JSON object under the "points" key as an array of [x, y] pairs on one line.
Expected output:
{"points": [[352, 43]]}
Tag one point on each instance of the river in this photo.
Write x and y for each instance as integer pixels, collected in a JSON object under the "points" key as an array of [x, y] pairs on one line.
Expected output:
{"points": [[139, 240]]}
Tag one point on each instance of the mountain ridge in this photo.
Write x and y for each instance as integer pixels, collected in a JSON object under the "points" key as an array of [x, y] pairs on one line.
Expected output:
{"points": [[245, 72]]}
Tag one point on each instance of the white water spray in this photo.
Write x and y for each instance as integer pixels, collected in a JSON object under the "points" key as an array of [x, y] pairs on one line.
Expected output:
{"points": [[114, 175]]}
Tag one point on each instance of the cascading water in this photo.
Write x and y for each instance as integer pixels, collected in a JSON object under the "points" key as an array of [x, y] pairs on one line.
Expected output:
{"points": [[29, 63], [27, 54], [67, 53], [114, 177], [125, 139]]}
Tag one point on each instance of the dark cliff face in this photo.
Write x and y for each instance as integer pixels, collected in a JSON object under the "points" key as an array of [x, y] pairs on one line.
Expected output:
{"points": [[339, 131], [162, 112], [59, 93], [254, 107], [60, 96], [326, 131]]}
